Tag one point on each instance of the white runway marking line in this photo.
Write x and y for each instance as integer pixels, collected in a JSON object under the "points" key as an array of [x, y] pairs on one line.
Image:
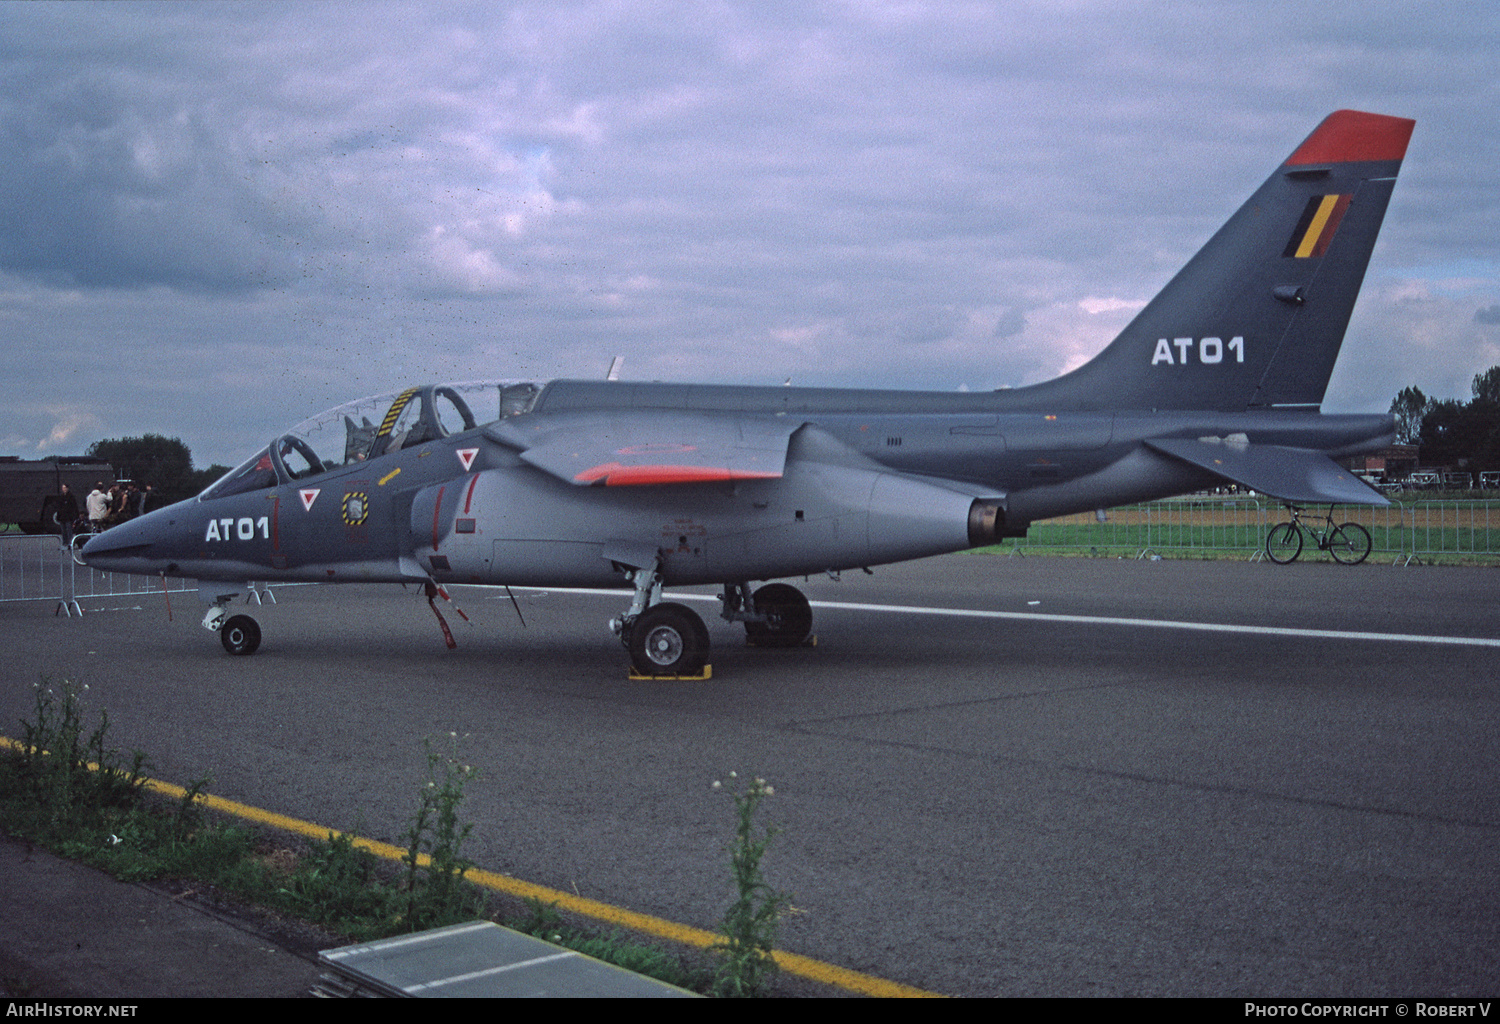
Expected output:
{"points": [[1207, 627], [1100, 620]]}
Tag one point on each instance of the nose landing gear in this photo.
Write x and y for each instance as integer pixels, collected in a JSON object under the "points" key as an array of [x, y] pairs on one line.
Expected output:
{"points": [[240, 634]]}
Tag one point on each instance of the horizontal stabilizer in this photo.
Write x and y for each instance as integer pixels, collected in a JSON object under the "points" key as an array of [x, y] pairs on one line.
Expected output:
{"points": [[1294, 475], [630, 448]]}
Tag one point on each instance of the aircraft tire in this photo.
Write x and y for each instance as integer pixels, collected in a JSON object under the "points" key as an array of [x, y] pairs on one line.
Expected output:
{"points": [[1283, 543], [240, 635], [668, 639], [1349, 544], [788, 617]]}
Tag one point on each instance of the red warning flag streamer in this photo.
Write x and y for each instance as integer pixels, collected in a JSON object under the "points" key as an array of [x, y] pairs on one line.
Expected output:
{"points": [[433, 593]]}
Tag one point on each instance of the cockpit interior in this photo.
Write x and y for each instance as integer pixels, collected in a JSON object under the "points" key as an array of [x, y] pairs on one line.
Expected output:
{"points": [[368, 428]]}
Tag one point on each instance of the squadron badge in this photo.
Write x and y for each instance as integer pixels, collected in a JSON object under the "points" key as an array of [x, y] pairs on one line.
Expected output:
{"points": [[356, 507]]}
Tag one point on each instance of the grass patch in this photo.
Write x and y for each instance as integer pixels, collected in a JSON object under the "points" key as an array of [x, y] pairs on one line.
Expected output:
{"points": [[1430, 530], [543, 921], [66, 789]]}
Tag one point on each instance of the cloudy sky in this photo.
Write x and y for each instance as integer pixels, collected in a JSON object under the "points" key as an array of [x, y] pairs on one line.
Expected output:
{"points": [[216, 219]]}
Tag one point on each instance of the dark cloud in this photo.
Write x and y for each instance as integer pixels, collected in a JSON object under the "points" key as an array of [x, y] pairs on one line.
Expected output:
{"points": [[347, 198], [1487, 315]]}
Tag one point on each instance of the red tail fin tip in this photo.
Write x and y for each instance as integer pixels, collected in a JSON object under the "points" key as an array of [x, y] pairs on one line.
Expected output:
{"points": [[1347, 136]]}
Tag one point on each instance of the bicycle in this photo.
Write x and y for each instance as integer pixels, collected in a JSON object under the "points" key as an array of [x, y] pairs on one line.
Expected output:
{"points": [[1348, 543]]}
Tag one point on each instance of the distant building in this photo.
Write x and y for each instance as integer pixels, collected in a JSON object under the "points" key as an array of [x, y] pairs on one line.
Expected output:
{"points": [[1394, 463]]}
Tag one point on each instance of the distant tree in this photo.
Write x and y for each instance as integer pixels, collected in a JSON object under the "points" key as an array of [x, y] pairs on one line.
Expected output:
{"points": [[1443, 432], [1462, 434], [203, 477], [1486, 386], [1451, 432], [1409, 407], [1484, 410], [163, 462]]}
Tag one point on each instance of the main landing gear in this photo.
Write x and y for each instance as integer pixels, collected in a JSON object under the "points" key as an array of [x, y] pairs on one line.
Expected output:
{"points": [[776, 615], [665, 638]]}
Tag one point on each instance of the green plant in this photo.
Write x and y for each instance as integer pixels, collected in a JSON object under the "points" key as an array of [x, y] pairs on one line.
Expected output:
{"points": [[746, 959], [436, 891], [336, 884], [544, 921], [66, 774]]}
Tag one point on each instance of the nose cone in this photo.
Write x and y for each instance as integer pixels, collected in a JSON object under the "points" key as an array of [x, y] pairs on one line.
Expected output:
{"points": [[124, 548]]}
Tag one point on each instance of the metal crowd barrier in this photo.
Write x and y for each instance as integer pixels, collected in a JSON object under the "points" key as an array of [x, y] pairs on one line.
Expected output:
{"points": [[1403, 532], [40, 568]]}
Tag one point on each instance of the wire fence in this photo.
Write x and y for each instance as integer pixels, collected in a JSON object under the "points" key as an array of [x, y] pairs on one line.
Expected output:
{"points": [[39, 568], [1407, 532]]}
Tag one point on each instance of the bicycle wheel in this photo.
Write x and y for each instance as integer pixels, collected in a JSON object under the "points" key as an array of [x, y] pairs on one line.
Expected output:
{"points": [[1284, 543], [1349, 543]]}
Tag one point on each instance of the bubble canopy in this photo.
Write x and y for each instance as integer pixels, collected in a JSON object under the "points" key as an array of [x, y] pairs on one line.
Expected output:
{"points": [[368, 428]]}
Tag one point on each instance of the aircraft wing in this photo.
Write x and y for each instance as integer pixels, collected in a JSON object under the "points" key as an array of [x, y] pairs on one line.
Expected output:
{"points": [[1295, 475], [634, 448]]}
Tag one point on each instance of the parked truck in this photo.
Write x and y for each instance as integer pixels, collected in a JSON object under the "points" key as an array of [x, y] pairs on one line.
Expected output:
{"points": [[31, 491]]}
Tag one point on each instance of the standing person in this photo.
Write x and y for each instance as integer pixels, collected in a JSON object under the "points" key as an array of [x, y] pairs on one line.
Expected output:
{"points": [[67, 513], [98, 505], [143, 500]]}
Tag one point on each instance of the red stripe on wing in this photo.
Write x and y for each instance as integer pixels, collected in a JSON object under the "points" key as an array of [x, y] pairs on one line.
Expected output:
{"points": [[615, 474]]}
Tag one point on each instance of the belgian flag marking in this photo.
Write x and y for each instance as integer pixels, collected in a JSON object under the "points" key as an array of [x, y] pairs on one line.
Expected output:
{"points": [[1317, 225]]}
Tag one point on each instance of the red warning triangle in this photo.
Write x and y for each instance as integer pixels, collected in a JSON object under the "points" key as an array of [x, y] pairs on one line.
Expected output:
{"points": [[466, 456], [308, 496]]}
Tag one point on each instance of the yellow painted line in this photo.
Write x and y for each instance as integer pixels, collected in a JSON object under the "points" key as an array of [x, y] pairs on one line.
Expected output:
{"points": [[792, 963]]}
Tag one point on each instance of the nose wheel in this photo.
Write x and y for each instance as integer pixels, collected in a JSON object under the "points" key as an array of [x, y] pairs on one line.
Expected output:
{"points": [[240, 634]]}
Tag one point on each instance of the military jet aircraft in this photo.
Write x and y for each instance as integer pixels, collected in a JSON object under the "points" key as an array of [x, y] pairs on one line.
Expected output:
{"points": [[577, 483]]}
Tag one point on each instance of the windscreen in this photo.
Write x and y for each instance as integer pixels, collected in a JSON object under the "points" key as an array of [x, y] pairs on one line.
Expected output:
{"points": [[368, 428]]}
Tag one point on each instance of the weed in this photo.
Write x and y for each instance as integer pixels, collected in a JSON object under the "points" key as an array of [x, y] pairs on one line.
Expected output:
{"points": [[436, 891], [747, 963], [53, 767], [336, 884], [543, 921], [100, 814], [632, 956]]}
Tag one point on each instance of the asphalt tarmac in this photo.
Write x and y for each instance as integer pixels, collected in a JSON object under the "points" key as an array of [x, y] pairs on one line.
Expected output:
{"points": [[1055, 803]]}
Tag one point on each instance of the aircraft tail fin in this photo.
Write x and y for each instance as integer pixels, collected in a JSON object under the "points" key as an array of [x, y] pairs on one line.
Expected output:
{"points": [[1256, 318]]}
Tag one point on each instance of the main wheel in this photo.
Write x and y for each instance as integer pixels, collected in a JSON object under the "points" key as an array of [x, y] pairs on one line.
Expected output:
{"points": [[1284, 543], [668, 640], [1349, 543], [240, 635], [788, 617]]}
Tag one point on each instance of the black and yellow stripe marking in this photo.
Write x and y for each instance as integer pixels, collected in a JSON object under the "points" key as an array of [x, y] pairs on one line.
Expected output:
{"points": [[1316, 228], [395, 411]]}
